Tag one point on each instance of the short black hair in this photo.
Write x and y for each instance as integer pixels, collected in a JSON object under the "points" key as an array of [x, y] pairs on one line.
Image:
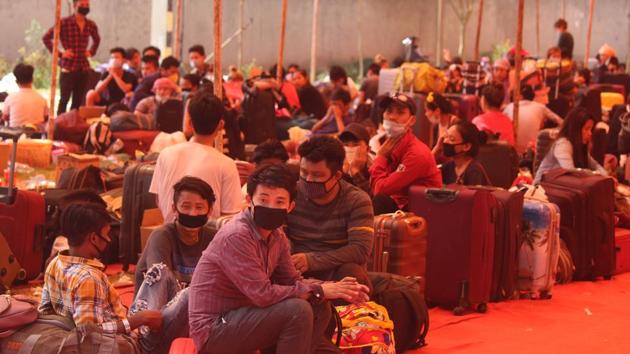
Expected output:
{"points": [[194, 79], [169, 62], [613, 61], [23, 73], [338, 73], [152, 48], [120, 50], [130, 52], [324, 148], [439, 101], [206, 111], [194, 185], [374, 68], [561, 23], [80, 219], [586, 74], [197, 48], [277, 176], [494, 93], [470, 135], [340, 94], [270, 149], [274, 71], [151, 59], [527, 91]]}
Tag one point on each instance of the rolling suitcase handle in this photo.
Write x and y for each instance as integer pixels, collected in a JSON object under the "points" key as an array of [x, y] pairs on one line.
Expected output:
{"points": [[14, 135], [441, 195]]}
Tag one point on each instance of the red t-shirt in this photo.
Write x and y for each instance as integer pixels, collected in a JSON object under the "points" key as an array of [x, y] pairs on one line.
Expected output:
{"points": [[496, 122]]}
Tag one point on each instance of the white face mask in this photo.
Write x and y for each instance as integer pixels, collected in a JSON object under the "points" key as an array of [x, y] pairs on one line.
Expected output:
{"points": [[393, 129], [351, 153], [193, 64]]}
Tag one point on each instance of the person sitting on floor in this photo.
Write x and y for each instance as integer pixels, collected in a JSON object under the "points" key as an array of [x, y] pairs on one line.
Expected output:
{"points": [[25, 107], [571, 149], [115, 84], [179, 245], [269, 152], [461, 144], [199, 158], [311, 100], [331, 228], [76, 286], [169, 69], [165, 90], [338, 115], [355, 139], [492, 120], [402, 160], [149, 66], [198, 65], [246, 295]]}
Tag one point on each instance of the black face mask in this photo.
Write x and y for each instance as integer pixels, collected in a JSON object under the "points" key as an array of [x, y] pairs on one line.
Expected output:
{"points": [[313, 190], [269, 218], [84, 10], [192, 221], [449, 149]]}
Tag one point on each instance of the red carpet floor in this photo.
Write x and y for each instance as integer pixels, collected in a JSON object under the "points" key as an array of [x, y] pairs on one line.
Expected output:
{"points": [[582, 317]]}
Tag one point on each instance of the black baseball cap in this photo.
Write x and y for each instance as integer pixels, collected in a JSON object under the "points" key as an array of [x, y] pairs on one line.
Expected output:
{"points": [[400, 100], [355, 131]]}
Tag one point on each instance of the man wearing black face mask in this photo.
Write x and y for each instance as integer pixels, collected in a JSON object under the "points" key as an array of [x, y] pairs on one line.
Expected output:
{"points": [[245, 282], [76, 287], [74, 35], [179, 244], [331, 229]]}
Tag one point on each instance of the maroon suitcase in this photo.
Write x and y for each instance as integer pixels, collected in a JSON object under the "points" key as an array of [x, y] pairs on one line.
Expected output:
{"points": [[22, 218], [500, 160], [586, 202], [460, 244], [506, 243]]}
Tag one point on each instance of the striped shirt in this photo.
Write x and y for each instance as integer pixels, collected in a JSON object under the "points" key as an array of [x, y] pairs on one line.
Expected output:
{"points": [[334, 234], [77, 288]]}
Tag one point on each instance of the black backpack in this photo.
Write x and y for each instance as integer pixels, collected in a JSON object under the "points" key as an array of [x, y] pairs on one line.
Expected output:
{"points": [[402, 298]]}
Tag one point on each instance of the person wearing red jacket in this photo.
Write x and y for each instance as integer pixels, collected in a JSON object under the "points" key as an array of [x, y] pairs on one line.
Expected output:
{"points": [[402, 161]]}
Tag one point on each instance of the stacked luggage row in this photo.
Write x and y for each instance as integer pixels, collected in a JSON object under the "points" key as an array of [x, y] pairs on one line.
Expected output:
{"points": [[473, 245]]}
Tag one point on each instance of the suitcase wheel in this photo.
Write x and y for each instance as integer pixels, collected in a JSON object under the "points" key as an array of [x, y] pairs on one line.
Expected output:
{"points": [[482, 308], [21, 275], [607, 277], [544, 295], [458, 311]]}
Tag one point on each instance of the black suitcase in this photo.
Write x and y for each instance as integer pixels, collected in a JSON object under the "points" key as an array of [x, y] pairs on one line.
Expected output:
{"points": [[136, 199], [169, 116], [500, 160]]}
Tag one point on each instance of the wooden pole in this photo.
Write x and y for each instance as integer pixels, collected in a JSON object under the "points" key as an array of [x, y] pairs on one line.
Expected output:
{"points": [[360, 36], [53, 73], [177, 31], [538, 28], [587, 51], [518, 64], [438, 42], [478, 38], [218, 70], [314, 40], [239, 59], [283, 27], [628, 54]]}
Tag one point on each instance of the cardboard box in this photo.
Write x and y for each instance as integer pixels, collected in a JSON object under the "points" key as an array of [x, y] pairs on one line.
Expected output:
{"points": [[151, 220], [76, 161]]}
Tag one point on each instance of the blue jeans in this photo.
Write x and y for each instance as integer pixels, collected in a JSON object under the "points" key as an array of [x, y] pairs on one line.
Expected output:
{"points": [[161, 291]]}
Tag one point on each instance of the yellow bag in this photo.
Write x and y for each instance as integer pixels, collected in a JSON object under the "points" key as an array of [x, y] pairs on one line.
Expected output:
{"points": [[420, 77], [367, 328]]}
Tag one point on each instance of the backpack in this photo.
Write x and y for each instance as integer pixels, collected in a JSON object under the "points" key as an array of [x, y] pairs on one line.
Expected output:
{"points": [[71, 126], [57, 334], [405, 305], [420, 77], [98, 138], [86, 178], [623, 139], [544, 141], [366, 328]]}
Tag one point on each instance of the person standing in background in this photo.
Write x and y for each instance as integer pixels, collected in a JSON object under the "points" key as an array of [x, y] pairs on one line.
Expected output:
{"points": [[565, 39], [75, 33]]}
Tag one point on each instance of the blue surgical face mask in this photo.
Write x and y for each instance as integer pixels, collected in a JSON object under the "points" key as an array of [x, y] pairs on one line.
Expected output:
{"points": [[394, 129]]}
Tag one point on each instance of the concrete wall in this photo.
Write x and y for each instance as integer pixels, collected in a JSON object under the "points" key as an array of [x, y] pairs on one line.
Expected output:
{"points": [[384, 24]]}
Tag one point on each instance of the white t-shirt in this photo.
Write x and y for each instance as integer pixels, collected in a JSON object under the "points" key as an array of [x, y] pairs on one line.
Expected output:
{"points": [[532, 116], [25, 107], [201, 161]]}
